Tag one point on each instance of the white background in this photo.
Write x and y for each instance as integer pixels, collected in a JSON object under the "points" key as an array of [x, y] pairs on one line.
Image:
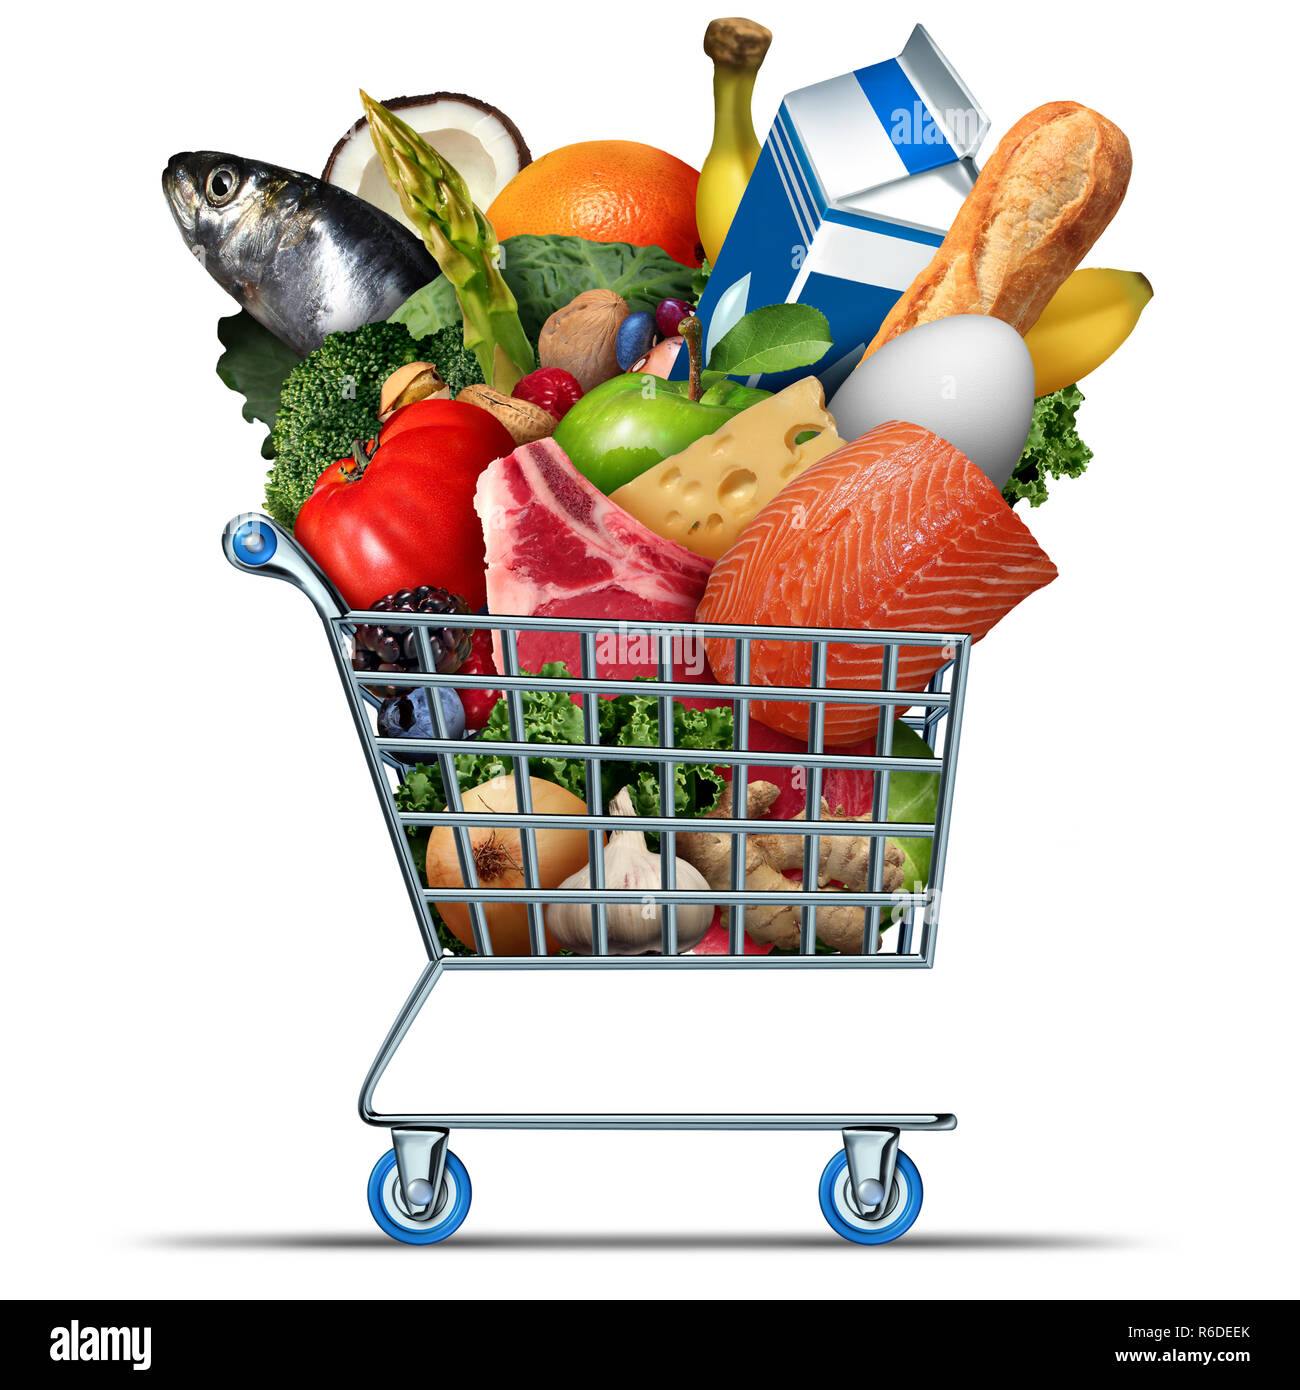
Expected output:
{"points": [[206, 934]]}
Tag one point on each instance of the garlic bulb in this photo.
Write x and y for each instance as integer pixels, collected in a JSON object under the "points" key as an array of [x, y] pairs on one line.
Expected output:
{"points": [[634, 928]]}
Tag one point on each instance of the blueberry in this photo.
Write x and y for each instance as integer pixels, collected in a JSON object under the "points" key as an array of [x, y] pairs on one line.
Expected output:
{"points": [[408, 716], [637, 334]]}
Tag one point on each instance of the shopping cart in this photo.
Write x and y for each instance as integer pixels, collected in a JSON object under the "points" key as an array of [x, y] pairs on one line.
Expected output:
{"points": [[419, 1191]]}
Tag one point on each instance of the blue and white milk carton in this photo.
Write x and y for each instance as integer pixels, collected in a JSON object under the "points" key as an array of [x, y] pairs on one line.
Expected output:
{"points": [[855, 186]]}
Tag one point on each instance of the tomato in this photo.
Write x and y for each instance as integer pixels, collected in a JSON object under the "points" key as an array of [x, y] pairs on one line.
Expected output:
{"points": [[406, 516]]}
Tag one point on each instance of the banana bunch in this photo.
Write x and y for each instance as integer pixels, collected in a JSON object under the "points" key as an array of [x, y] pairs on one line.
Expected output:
{"points": [[1084, 322], [737, 47]]}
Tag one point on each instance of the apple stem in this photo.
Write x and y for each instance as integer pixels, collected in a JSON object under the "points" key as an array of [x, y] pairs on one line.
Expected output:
{"points": [[693, 333]]}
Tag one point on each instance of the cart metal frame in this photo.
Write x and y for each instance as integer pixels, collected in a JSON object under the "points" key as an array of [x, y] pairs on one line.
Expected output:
{"points": [[255, 544]]}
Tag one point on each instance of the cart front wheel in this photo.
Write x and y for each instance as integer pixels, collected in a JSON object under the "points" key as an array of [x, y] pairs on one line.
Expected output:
{"points": [[390, 1213], [843, 1217]]}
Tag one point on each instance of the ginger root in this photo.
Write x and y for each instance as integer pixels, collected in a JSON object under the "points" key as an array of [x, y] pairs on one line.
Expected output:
{"points": [[842, 859]]}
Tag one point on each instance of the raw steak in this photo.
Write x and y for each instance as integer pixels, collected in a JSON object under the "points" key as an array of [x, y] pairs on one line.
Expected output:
{"points": [[556, 547]]}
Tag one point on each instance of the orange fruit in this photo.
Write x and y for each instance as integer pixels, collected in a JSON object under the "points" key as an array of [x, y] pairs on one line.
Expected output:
{"points": [[604, 190]]}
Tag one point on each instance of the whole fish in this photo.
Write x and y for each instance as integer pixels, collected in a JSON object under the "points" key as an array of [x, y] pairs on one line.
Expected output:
{"points": [[303, 257]]}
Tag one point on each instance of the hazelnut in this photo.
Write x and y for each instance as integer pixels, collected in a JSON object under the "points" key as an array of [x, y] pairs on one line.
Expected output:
{"points": [[580, 337]]}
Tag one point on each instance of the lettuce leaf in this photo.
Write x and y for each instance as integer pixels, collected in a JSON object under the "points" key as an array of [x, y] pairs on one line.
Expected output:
{"points": [[1053, 449], [550, 716], [632, 721]]}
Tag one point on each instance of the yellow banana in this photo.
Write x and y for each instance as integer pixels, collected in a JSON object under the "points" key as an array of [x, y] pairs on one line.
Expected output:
{"points": [[737, 47], [1084, 322]]}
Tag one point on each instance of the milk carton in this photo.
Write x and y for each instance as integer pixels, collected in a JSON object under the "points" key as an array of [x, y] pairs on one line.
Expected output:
{"points": [[855, 186]]}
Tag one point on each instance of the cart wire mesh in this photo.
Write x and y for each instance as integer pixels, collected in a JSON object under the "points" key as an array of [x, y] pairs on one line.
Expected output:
{"points": [[899, 929]]}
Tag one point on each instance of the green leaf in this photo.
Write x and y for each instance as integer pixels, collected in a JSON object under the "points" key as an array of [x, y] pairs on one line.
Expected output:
{"points": [[255, 363], [429, 309], [776, 338], [913, 796], [421, 790], [632, 721], [628, 721], [546, 272], [1053, 449], [549, 717]]}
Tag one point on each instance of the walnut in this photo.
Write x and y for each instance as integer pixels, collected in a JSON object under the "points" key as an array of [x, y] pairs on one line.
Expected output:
{"points": [[580, 337]]}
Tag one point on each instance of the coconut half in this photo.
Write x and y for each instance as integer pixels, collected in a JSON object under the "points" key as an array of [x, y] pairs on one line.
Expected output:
{"points": [[483, 144]]}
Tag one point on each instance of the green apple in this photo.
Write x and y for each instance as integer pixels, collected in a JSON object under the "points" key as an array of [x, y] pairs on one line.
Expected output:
{"points": [[629, 423], [733, 394]]}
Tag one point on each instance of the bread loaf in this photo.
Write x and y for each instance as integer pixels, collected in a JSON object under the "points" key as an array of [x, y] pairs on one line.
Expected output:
{"points": [[1055, 180]]}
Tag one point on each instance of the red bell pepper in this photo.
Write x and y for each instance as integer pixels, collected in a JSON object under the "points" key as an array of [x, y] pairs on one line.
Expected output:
{"points": [[403, 514]]}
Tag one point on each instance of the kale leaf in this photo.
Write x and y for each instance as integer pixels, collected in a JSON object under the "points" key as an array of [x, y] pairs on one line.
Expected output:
{"points": [[1053, 449]]}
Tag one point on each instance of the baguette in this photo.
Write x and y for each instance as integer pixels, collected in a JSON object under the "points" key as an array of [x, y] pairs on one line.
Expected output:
{"points": [[1055, 180]]}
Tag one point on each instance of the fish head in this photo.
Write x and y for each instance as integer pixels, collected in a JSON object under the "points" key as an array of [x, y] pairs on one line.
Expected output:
{"points": [[235, 213]]}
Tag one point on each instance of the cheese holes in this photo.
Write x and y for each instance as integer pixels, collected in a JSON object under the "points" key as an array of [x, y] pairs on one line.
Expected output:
{"points": [[737, 489]]}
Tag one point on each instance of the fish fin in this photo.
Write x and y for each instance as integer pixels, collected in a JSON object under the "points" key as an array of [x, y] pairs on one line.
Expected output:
{"points": [[296, 228]]}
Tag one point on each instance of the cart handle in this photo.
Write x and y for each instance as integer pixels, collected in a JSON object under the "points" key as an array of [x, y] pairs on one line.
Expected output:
{"points": [[257, 545]]}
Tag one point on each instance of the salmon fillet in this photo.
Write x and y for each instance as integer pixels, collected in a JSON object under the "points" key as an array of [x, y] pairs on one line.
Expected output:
{"points": [[896, 530]]}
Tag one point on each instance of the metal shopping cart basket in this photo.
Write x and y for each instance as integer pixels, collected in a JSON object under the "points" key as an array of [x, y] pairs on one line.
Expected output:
{"points": [[419, 1191]]}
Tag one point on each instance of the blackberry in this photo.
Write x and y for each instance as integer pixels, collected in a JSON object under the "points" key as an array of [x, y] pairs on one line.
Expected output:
{"points": [[389, 647]]}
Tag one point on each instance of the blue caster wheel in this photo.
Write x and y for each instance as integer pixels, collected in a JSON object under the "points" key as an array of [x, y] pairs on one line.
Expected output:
{"points": [[390, 1213], [901, 1210]]}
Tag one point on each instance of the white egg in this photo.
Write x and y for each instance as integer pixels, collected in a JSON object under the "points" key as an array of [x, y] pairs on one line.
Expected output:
{"points": [[968, 378]]}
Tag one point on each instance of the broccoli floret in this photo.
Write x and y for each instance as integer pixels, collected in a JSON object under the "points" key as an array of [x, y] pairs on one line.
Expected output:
{"points": [[331, 399]]}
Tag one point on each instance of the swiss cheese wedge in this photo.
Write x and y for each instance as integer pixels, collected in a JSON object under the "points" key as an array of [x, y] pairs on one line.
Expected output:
{"points": [[704, 497]]}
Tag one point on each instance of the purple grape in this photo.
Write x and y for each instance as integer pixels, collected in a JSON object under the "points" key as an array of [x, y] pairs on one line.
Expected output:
{"points": [[669, 316]]}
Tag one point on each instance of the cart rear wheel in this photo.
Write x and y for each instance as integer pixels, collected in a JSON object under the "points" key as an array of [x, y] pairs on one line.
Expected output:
{"points": [[390, 1213], [901, 1210]]}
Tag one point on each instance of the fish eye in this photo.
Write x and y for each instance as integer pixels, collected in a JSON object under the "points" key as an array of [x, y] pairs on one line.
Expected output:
{"points": [[221, 185]]}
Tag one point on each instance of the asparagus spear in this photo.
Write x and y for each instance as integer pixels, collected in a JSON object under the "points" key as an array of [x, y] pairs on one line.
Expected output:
{"points": [[461, 240]]}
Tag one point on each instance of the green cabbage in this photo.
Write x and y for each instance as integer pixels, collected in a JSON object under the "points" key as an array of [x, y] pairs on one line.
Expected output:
{"points": [[547, 272]]}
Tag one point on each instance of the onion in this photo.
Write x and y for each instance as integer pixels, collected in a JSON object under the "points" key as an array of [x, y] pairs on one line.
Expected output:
{"points": [[498, 860]]}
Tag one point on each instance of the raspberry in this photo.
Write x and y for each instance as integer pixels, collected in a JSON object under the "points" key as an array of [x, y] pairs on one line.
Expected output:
{"points": [[479, 704], [552, 388]]}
